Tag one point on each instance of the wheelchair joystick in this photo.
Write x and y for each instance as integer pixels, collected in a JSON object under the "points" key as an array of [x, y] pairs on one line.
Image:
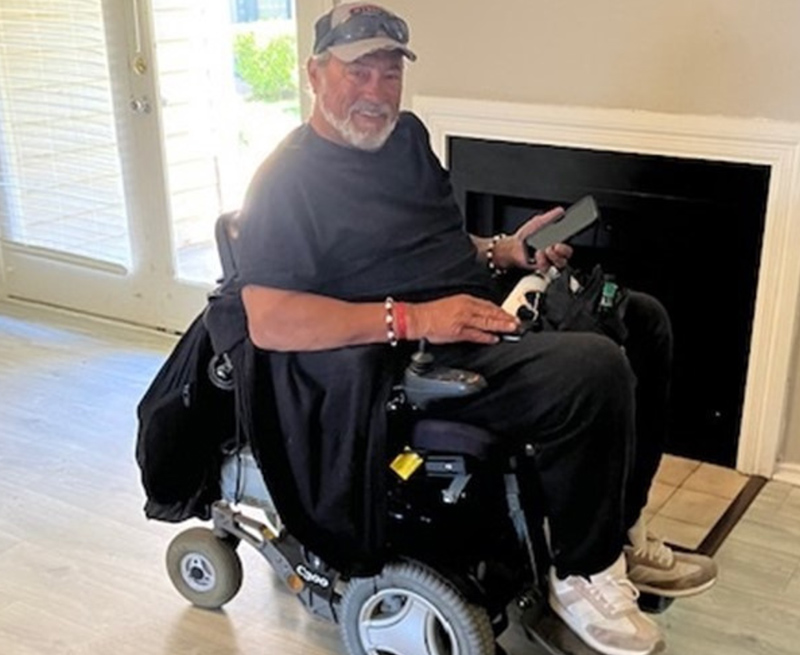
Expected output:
{"points": [[421, 360], [424, 383]]}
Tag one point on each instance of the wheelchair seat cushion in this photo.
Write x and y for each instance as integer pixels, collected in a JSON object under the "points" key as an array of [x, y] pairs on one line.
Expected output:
{"points": [[454, 438]]}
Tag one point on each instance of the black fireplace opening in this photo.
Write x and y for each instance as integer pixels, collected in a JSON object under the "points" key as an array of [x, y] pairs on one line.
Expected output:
{"points": [[687, 231]]}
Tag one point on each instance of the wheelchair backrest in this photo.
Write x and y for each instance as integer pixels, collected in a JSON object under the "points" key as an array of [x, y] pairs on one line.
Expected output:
{"points": [[226, 231]]}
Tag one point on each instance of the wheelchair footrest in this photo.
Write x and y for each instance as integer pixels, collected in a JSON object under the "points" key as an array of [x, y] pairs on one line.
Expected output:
{"points": [[547, 630]]}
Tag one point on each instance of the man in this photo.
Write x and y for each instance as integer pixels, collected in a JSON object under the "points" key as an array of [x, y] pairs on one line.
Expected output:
{"points": [[350, 235]]}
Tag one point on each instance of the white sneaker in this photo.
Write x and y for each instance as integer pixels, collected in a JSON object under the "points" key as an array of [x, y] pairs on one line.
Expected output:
{"points": [[602, 611], [653, 567]]}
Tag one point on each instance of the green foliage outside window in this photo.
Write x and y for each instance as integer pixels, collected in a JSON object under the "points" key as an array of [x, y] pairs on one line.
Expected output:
{"points": [[269, 70]]}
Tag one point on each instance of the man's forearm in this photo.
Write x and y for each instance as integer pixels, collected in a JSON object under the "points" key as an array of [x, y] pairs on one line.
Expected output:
{"points": [[295, 321], [290, 320]]}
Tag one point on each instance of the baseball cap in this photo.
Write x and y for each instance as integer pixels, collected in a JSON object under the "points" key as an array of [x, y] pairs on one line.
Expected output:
{"points": [[355, 29]]}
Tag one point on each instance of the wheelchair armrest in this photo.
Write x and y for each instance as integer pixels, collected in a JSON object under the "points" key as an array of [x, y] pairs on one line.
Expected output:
{"points": [[452, 438]]}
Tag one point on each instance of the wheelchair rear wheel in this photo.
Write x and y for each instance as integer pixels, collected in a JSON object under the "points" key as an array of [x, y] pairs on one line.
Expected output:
{"points": [[412, 610], [205, 569]]}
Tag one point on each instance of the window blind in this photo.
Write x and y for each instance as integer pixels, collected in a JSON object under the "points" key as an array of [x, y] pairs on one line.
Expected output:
{"points": [[60, 175]]}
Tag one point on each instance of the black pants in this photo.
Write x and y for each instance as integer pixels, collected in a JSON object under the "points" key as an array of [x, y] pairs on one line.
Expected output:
{"points": [[595, 416]]}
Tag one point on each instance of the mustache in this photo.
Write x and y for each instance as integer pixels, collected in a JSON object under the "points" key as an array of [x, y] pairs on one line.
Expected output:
{"points": [[369, 107]]}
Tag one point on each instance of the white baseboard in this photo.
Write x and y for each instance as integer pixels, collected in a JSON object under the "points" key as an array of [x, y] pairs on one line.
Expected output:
{"points": [[787, 472]]}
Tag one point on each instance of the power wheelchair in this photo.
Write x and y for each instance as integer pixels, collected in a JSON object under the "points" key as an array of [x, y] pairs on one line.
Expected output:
{"points": [[468, 554]]}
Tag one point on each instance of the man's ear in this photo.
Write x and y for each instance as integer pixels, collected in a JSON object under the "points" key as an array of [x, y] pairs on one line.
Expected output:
{"points": [[313, 70]]}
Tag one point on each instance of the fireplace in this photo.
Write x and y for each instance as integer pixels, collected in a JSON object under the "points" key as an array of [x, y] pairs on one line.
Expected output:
{"points": [[732, 185], [687, 231]]}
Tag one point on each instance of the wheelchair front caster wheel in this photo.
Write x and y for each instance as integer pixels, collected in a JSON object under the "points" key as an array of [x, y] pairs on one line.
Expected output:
{"points": [[205, 569], [411, 609]]}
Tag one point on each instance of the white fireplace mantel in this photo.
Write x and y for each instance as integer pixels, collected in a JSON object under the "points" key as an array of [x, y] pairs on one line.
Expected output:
{"points": [[755, 141]]}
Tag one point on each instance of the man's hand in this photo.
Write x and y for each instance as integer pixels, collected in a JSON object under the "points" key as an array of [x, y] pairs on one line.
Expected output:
{"points": [[458, 318], [512, 252]]}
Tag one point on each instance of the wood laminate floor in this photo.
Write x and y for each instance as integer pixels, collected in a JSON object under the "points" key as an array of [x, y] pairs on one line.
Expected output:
{"points": [[82, 571]]}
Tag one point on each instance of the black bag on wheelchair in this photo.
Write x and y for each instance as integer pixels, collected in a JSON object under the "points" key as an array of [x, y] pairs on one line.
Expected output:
{"points": [[183, 420], [578, 302]]}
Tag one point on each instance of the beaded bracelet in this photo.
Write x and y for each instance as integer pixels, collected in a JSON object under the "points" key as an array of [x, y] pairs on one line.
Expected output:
{"points": [[391, 333], [496, 270]]}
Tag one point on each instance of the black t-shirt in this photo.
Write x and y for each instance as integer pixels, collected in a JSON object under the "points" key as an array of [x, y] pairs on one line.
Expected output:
{"points": [[357, 225]]}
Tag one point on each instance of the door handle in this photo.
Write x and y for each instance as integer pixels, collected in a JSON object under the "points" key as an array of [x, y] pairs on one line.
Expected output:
{"points": [[140, 105]]}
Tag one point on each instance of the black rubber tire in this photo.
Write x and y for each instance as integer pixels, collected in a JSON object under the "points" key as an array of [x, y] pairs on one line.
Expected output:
{"points": [[445, 623], [205, 570]]}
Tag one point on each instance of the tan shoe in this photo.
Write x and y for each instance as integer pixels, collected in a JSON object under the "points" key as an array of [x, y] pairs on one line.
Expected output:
{"points": [[653, 567], [601, 609]]}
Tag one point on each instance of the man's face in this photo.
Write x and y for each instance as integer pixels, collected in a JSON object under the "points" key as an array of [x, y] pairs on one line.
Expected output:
{"points": [[357, 104]]}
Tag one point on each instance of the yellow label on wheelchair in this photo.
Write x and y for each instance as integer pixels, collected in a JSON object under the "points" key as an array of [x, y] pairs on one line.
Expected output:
{"points": [[406, 463]]}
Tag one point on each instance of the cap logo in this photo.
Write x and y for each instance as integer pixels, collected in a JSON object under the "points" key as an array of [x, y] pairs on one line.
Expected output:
{"points": [[367, 9]]}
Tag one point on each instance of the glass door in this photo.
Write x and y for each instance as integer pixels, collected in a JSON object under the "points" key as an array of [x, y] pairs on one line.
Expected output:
{"points": [[126, 128], [62, 185], [82, 197], [228, 82]]}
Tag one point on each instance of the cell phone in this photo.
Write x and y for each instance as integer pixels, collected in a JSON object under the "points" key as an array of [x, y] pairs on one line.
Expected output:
{"points": [[576, 219]]}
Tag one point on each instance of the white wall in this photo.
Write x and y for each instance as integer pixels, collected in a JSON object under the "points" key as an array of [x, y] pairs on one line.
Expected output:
{"points": [[731, 57]]}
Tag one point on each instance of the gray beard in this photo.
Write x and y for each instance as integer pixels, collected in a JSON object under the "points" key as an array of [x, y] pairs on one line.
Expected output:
{"points": [[351, 135]]}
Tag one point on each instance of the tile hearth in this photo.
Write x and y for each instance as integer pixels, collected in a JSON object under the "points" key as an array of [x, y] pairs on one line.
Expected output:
{"points": [[688, 498]]}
